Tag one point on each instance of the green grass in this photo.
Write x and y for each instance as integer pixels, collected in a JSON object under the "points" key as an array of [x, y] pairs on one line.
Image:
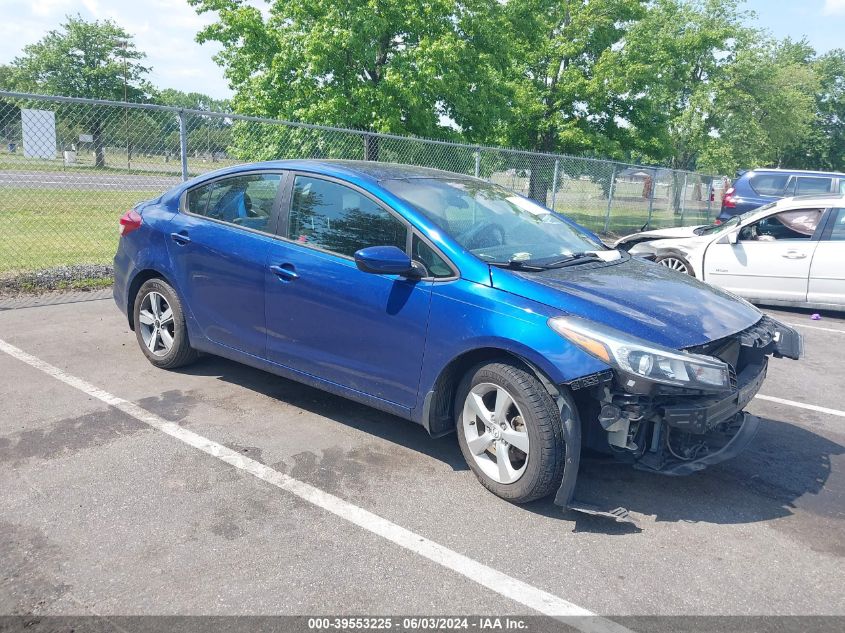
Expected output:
{"points": [[43, 228]]}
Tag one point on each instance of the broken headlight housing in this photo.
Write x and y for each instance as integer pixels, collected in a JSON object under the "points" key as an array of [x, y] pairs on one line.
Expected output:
{"points": [[642, 359]]}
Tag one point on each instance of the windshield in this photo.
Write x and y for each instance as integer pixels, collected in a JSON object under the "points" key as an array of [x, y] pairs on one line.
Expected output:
{"points": [[494, 224], [711, 229]]}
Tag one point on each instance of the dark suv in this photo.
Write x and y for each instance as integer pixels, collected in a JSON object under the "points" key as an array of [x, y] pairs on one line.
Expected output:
{"points": [[761, 186]]}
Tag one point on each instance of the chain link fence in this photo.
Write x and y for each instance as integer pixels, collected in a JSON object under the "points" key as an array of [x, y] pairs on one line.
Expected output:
{"points": [[70, 167]]}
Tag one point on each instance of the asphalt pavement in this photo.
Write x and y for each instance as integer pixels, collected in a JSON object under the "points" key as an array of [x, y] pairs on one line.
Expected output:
{"points": [[108, 508]]}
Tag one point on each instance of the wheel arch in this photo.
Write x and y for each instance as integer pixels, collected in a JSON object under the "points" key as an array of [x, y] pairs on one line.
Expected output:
{"points": [[439, 402], [138, 280]]}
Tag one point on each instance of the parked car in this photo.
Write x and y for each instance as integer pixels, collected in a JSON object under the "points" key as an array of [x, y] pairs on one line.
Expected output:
{"points": [[454, 303], [790, 252], [757, 187]]}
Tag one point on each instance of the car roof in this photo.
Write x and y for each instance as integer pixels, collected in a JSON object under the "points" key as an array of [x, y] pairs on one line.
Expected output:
{"points": [[369, 170], [778, 170], [814, 200]]}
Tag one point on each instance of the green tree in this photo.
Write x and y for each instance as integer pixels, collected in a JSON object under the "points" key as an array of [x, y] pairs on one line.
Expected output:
{"points": [[560, 99], [711, 93], [428, 69], [762, 109], [824, 147], [191, 100], [96, 59]]}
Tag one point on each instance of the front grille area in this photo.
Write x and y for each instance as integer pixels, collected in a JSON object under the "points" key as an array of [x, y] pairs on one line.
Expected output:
{"points": [[741, 349]]}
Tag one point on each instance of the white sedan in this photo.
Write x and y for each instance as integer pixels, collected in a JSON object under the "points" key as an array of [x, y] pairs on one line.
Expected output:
{"points": [[790, 252]]}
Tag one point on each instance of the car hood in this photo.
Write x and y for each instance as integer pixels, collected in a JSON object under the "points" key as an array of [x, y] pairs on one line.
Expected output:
{"points": [[680, 231], [638, 297]]}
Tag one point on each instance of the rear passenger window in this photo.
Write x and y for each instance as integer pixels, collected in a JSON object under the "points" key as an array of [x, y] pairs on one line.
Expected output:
{"points": [[769, 184], [807, 185], [838, 230], [337, 218], [241, 200]]}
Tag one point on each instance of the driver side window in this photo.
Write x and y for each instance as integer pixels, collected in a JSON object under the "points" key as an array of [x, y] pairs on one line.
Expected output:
{"points": [[241, 200], [799, 224]]}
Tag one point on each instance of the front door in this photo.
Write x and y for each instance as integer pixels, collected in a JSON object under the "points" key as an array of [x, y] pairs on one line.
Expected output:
{"points": [[218, 245], [770, 260], [328, 319]]}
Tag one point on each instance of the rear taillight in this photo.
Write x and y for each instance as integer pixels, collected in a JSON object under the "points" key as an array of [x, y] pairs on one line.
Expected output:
{"points": [[129, 221], [729, 199]]}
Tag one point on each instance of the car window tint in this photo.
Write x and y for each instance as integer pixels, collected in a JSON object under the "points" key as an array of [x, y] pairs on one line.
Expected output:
{"points": [[337, 218], [769, 184], [428, 257], [198, 199], [838, 230], [799, 224], [805, 185], [241, 200]]}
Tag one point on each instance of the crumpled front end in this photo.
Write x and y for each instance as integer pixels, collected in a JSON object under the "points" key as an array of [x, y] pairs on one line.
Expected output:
{"points": [[677, 431]]}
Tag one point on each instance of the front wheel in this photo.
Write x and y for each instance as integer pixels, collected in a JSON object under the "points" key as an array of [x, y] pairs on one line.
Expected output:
{"points": [[509, 431], [676, 263], [160, 326]]}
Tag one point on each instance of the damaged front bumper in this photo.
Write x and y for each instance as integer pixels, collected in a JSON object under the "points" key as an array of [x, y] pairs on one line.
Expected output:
{"points": [[669, 431]]}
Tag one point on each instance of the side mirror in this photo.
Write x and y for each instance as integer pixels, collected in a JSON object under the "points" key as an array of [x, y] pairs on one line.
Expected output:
{"points": [[385, 260]]}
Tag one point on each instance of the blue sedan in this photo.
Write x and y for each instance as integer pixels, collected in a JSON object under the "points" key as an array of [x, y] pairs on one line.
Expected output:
{"points": [[454, 303]]}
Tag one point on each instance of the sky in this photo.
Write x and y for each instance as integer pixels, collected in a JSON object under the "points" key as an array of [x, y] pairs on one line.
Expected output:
{"points": [[165, 30]]}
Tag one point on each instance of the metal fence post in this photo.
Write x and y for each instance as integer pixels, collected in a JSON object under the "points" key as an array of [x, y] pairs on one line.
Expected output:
{"points": [[554, 182], [709, 197], [610, 198], [651, 201], [183, 144], [683, 198], [477, 163]]}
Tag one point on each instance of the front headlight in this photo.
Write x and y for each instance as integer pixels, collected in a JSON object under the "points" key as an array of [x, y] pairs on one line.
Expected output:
{"points": [[643, 359]]}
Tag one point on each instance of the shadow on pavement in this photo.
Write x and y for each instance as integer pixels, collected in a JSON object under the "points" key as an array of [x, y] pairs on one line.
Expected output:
{"points": [[787, 467], [354, 415]]}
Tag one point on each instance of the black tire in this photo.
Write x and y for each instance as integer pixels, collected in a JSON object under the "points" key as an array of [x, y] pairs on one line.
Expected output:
{"points": [[542, 420], [675, 258], [180, 353]]}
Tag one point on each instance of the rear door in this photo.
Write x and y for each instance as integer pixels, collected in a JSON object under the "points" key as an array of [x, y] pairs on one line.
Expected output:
{"points": [[771, 259], [827, 271], [218, 247]]}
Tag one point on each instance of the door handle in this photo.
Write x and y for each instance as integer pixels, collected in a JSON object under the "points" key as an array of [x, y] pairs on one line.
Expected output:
{"points": [[794, 255], [180, 238], [285, 272]]}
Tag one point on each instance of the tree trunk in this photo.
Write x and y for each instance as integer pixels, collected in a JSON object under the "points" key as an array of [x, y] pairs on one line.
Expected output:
{"points": [[99, 143], [371, 147], [538, 181], [677, 191]]}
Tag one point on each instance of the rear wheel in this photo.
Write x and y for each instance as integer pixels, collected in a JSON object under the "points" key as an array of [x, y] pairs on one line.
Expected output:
{"points": [[675, 262], [160, 326], [509, 431]]}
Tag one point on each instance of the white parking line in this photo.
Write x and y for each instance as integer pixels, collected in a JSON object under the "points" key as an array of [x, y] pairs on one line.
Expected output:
{"points": [[501, 583], [801, 405], [814, 327]]}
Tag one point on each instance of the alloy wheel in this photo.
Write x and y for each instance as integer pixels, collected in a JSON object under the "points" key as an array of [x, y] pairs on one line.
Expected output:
{"points": [[675, 264], [156, 323], [495, 433]]}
